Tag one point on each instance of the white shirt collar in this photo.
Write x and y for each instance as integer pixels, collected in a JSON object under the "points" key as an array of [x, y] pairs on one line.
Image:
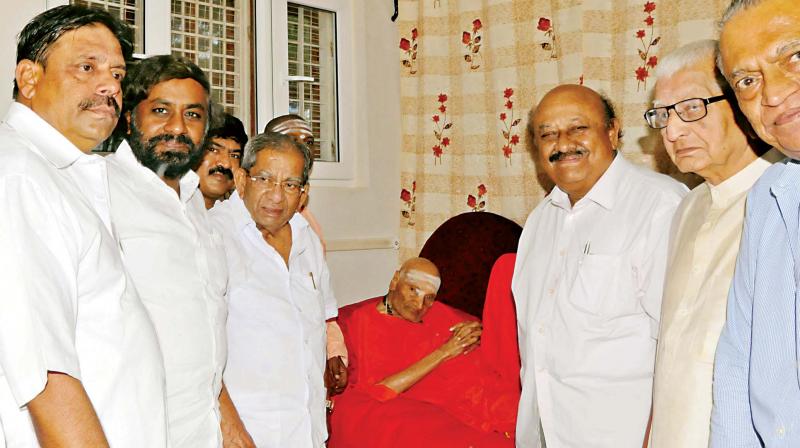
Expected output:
{"points": [[728, 190], [49, 142], [241, 216], [189, 182], [603, 192]]}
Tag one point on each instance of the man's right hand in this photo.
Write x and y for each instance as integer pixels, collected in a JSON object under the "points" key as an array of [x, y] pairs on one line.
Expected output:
{"points": [[466, 336]]}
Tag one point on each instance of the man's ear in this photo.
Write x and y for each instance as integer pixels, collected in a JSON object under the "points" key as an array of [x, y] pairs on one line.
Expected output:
{"points": [[239, 179], [395, 279], [613, 133], [27, 75]]}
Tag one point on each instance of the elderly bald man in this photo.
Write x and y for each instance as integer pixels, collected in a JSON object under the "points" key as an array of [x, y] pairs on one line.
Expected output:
{"points": [[588, 279], [418, 376], [756, 376], [705, 133]]}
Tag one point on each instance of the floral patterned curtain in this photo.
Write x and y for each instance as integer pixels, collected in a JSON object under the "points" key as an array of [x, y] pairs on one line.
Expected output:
{"points": [[472, 69]]}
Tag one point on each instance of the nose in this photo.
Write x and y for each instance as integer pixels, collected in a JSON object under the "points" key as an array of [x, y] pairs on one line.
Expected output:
{"points": [[224, 159], [564, 142], [676, 128], [175, 124], [778, 85], [275, 191], [108, 85]]}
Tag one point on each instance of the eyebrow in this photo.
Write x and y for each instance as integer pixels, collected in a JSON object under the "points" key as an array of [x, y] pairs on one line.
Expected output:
{"points": [[101, 59], [170, 103], [775, 54], [268, 174]]}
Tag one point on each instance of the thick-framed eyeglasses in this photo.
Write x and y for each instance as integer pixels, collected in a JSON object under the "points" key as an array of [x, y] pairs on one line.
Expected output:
{"points": [[290, 187], [689, 110]]}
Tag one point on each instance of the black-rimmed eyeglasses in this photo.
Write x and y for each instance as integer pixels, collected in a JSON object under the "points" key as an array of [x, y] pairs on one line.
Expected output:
{"points": [[689, 110]]}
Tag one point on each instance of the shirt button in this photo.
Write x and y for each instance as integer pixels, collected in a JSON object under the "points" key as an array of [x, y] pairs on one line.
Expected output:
{"points": [[551, 291], [541, 330], [780, 431], [562, 252]]}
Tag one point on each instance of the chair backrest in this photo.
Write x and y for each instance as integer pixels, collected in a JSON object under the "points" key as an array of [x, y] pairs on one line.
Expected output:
{"points": [[465, 248]]}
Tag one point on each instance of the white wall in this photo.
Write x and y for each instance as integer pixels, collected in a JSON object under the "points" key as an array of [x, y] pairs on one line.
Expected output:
{"points": [[372, 209], [15, 15], [369, 210]]}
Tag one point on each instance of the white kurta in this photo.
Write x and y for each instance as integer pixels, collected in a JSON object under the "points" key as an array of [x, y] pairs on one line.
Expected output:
{"points": [[587, 284], [703, 246], [276, 330], [177, 263], [67, 304]]}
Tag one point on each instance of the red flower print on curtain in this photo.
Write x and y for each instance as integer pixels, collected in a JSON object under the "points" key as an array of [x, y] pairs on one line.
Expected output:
{"points": [[478, 204], [648, 61], [545, 25], [409, 47], [509, 123], [472, 42], [409, 199], [440, 128]]}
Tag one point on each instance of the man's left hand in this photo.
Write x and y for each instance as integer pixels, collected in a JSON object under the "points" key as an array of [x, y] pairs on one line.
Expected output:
{"points": [[335, 375]]}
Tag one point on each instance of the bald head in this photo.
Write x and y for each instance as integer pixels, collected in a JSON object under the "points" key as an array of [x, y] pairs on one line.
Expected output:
{"points": [[574, 132], [421, 270]]}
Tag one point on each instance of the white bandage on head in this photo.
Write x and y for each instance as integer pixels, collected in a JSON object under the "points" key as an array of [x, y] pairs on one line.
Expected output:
{"points": [[423, 277]]}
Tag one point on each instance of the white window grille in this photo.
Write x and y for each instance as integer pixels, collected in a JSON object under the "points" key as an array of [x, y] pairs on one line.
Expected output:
{"points": [[129, 11], [311, 34], [208, 32]]}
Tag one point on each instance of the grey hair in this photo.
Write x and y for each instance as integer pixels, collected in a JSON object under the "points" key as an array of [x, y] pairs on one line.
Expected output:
{"points": [[276, 142], [689, 55], [733, 9]]}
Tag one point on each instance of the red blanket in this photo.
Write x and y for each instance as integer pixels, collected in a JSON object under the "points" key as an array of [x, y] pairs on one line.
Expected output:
{"points": [[468, 401]]}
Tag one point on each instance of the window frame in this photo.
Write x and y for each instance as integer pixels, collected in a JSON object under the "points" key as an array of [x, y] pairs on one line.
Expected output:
{"points": [[272, 77]]}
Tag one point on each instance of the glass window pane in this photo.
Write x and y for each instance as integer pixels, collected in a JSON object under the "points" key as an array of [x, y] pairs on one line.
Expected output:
{"points": [[211, 36], [312, 53], [129, 11]]}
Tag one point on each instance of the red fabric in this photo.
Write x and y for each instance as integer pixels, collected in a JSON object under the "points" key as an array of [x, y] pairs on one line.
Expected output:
{"points": [[468, 401]]}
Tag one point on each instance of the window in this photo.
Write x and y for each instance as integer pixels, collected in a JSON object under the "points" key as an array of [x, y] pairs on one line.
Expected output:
{"points": [[208, 32], [312, 75], [130, 11], [310, 72]]}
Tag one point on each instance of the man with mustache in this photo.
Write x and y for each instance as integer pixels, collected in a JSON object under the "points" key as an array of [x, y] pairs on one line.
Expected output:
{"points": [[756, 377], [80, 364], [588, 279], [223, 152], [176, 259]]}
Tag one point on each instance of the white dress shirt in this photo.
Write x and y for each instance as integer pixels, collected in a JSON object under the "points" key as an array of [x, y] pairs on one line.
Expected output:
{"points": [[67, 304], [704, 243], [276, 330], [177, 263], [587, 284]]}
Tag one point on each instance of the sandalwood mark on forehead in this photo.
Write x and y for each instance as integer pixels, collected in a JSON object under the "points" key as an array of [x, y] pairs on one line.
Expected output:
{"points": [[423, 277]]}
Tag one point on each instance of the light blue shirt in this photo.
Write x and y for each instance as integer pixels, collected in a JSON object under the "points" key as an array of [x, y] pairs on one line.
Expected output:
{"points": [[756, 382]]}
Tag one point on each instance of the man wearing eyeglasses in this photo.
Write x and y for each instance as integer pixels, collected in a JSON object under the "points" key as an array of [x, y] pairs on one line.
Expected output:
{"points": [[279, 295], [705, 133]]}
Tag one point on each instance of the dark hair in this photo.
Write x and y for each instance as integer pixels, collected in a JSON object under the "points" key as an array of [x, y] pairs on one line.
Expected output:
{"points": [[610, 114], [276, 142], [154, 70], [272, 124], [230, 127], [39, 35]]}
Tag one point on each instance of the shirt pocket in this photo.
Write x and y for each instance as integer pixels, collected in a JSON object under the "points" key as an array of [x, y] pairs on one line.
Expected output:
{"points": [[596, 274]]}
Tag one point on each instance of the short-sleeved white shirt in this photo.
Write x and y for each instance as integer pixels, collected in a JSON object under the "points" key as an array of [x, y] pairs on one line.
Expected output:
{"points": [[276, 330], [177, 263], [67, 304]]}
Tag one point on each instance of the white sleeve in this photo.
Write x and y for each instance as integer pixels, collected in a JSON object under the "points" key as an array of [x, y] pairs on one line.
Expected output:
{"points": [[38, 290]]}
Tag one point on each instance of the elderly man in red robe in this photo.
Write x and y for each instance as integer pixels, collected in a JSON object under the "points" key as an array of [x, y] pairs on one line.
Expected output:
{"points": [[423, 374]]}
